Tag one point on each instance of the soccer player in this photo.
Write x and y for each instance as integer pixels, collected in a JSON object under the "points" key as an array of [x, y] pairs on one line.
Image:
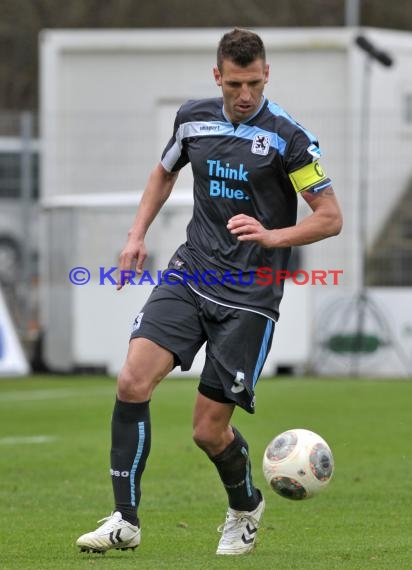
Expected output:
{"points": [[250, 161]]}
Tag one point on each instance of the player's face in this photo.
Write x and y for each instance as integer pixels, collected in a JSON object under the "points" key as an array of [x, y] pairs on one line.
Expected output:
{"points": [[242, 87]]}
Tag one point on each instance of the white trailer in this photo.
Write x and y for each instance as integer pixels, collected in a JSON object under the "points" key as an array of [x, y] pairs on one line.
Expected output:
{"points": [[108, 100]]}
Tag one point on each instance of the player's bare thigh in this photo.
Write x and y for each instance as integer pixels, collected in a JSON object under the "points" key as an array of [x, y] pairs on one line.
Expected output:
{"points": [[146, 365]]}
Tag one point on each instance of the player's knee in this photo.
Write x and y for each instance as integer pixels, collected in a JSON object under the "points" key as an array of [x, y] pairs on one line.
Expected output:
{"points": [[201, 438], [132, 386], [209, 440]]}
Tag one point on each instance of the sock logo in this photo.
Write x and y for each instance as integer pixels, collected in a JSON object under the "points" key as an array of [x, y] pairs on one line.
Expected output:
{"points": [[115, 473]]}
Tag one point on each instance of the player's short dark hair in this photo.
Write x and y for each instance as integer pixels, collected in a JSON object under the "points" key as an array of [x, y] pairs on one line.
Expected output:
{"points": [[240, 46]]}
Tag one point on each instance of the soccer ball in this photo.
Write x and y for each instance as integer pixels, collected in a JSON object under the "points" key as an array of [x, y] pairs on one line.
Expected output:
{"points": [[298, 464]]}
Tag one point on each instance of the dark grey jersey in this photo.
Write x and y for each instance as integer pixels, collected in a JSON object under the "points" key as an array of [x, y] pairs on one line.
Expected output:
{"points": [[255, 168]]}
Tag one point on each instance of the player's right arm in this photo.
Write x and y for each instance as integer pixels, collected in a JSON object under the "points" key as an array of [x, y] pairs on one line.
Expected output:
{"points": [[157, 191]]}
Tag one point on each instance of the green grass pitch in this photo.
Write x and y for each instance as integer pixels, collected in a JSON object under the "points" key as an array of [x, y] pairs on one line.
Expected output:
{"points": [[56, 485]]}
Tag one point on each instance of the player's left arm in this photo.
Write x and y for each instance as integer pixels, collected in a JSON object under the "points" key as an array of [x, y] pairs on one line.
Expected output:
{"points": [[324, 221]]}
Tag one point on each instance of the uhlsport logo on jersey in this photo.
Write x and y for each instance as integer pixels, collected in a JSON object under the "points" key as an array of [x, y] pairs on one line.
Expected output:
{"points": [[261, 144]]}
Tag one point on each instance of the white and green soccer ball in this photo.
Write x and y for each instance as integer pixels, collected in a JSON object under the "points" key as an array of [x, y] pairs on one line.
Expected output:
{"points": [[298, 464]]}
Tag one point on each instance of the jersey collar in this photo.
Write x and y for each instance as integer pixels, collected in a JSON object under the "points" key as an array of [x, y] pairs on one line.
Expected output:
{"points": [[262, 104]]}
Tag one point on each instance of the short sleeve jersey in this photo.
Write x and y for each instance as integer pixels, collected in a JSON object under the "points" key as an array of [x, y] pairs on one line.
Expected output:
{"points": [[255, 168]]}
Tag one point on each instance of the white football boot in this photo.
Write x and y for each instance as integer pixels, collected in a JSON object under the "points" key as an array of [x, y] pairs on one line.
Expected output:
{"points": [[239, 530], [113, 533]]}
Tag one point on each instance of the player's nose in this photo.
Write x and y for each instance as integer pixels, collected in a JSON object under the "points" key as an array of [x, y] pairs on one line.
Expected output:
{"points": [[245, 93]]}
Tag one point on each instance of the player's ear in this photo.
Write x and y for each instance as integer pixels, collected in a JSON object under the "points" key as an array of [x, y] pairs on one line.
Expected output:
{"points": [[266, 72], [217, 76]]}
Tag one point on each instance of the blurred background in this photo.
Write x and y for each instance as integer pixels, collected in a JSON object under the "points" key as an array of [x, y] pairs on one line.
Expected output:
{"points": [[88, 95]]}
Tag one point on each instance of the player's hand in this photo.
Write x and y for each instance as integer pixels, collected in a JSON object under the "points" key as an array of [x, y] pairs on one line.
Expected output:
{"points": [[134, 249], [247, 228]]}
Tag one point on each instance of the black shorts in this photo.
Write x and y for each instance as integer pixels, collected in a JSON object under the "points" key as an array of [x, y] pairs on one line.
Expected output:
{"points": [[237, 340]]}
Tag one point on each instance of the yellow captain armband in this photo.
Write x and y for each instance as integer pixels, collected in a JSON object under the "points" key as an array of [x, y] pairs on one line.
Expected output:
{"points": [[310, 177]]}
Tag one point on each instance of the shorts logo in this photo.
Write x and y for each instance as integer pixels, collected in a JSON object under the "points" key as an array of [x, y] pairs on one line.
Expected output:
{"points": [[261, 144], [238, 383], [137, 322]]}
